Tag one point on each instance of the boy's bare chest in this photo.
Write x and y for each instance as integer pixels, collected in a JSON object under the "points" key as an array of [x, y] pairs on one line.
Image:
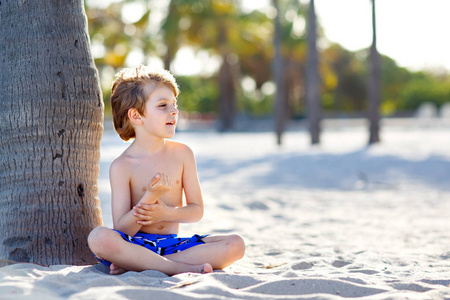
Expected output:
{"points": [[144, 171]]}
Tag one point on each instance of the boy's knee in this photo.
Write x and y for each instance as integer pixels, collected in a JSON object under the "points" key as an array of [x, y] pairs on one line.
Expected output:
{"points": [[236, 245], [101, 238]]}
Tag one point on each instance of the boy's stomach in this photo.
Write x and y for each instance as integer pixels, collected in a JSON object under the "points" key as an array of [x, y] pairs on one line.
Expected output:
{"points": [[161, 228]]}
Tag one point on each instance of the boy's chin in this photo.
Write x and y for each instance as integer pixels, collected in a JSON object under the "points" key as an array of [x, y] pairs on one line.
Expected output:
{"points": [[170, 135]]}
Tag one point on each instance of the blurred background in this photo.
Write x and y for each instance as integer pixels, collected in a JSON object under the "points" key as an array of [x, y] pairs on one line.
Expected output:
{"points": [[222, 54]]}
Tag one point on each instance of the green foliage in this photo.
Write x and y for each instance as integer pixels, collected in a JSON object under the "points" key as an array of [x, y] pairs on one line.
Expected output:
{"points": [[260, 106], [223, 29], [347, 90], [401, 89], [197, 94], [428, 89], [393, 79]]}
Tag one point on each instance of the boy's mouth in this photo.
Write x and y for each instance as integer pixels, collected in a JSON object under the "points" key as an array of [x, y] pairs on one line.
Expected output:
{"points": [[170, 123]]}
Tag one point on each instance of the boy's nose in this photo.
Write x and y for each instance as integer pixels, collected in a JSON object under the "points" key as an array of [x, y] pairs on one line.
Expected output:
{"points": [[174, 111]]}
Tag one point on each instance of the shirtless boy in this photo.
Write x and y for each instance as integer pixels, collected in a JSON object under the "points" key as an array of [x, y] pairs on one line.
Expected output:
{"points": [[147, 184]]}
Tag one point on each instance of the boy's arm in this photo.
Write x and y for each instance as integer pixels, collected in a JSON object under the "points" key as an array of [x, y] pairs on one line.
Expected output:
{"points": [[123, 216], [193, 211]]}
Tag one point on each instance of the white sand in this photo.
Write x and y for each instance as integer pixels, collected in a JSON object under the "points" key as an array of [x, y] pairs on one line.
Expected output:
{"points": [[337, 220]]}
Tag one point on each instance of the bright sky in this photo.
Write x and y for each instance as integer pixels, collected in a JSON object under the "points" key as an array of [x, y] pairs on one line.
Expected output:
{"points": [[415, 33]]}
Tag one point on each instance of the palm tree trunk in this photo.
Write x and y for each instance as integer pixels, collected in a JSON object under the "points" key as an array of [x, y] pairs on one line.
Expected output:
{"points": [[374, 85], [171, 33], [51, 121], [227, 95], [278, 73], [312, 78]]}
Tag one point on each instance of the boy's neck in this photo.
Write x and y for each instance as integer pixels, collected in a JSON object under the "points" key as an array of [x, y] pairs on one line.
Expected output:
{"points": [[149, 144]]}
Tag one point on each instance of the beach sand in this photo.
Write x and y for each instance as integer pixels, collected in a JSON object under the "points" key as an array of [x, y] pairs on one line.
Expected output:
{"points": [[339, 220]]}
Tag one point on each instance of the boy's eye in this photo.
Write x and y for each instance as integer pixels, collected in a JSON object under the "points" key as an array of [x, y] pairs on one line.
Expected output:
{"points": [[165, 105]]}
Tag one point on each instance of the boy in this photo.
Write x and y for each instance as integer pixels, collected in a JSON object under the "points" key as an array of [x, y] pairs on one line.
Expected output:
{"points": [[147, 183]]}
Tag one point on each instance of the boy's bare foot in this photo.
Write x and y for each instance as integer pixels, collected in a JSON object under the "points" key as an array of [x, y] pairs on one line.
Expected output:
{"points": [[115, 270], [206, 268]]}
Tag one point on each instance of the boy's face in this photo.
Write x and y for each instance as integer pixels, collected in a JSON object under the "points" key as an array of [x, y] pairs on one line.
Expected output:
{"points": [[161, 113]]}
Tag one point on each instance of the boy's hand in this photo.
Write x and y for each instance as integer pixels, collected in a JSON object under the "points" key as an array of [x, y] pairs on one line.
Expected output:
{"points": [[159, 185], [150, 213]]}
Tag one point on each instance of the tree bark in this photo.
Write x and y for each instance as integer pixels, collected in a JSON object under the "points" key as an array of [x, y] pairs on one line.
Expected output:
{"points": [[312, 78], [278, 73], [374, 85], [170, 28], [51, 121], [227, 94]]}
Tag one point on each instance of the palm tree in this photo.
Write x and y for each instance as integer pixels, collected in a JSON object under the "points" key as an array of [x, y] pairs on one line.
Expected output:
{"points": [[278, 73], [171, 32], [374, 85], [212, 26], [227, 87], [51, 121], [312, 78]]}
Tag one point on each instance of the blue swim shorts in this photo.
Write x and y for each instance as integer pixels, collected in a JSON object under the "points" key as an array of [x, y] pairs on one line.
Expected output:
{"points": [[158, 243]]}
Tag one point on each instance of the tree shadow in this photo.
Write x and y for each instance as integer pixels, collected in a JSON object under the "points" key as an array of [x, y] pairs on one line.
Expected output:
{"points": [[347, 171]]}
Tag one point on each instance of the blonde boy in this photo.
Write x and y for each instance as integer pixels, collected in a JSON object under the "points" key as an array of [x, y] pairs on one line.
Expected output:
{"points": [[147, 183]]}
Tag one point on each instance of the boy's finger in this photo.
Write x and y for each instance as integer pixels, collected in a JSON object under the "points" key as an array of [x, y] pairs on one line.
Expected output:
{"points": [[144, 222], [139, 210], [141, 214], [138, 213], [142, 218], [155, 179], [144, 207]]}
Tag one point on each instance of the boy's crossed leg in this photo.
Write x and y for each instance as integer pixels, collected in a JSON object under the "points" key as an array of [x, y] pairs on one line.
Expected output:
{"points": [[218, 252], [109, 245]]}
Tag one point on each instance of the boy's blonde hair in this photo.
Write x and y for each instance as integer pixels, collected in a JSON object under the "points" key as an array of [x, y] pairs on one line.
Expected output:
{"points": [[131, 89]]}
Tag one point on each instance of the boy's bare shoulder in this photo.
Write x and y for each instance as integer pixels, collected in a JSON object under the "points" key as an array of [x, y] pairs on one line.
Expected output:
{"points": [[120, 164], [179, 148]]}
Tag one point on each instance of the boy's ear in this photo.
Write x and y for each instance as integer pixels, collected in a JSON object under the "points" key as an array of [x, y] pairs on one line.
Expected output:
{"points": [[134, 116]]}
